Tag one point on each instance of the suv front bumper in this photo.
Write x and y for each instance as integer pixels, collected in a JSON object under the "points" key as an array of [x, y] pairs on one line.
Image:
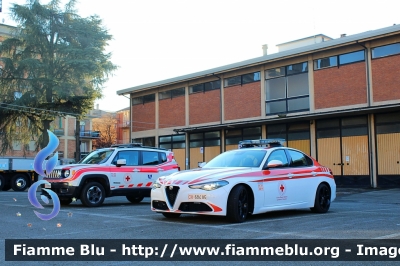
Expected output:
{"points": [[63, 190]]}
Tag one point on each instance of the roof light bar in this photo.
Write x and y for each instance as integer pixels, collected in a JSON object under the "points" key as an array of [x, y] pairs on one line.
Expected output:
{"points": [[261, 143]]}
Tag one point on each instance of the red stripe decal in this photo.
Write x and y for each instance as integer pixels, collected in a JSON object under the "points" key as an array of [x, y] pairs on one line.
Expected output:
{"points": [[139, 185], [216, 208], [149, 184]]}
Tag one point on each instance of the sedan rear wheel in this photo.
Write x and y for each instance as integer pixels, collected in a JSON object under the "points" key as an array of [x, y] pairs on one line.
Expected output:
{"points": [[238, 204], [322, 199]]}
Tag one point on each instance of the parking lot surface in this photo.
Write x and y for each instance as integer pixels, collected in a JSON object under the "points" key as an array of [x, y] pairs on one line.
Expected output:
{"points": [[355, 214]]}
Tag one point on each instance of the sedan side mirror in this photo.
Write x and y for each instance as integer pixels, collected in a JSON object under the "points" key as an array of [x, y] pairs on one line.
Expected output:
{"points": [[274, 164], [121, 162]]}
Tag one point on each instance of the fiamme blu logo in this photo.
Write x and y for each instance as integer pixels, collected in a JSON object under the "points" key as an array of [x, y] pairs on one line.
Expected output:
{"points": [[49, 166]]}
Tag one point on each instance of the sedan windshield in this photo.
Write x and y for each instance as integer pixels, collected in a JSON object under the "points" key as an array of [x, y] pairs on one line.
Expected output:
{"points": [[97, 157], [238, 158]]}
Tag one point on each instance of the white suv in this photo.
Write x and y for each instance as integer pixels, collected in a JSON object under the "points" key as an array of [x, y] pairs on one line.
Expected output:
{"points": [[122, 170]]}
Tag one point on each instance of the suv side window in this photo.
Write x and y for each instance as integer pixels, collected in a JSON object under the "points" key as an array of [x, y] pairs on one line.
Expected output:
{"points": [[150, 157], [131, 157], [299, 159], [278, 155], [163, 157]]}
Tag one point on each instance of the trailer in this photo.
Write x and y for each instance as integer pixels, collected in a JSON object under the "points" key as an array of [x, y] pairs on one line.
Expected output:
{"points": [[16, 173]]}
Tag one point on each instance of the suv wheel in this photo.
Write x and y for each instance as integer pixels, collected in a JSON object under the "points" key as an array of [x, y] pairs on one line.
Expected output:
{"points": [[93, 194]]}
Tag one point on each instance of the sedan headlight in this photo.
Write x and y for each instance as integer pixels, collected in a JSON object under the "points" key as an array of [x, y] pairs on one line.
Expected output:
{"points": [[156, 185], [210, 185]]}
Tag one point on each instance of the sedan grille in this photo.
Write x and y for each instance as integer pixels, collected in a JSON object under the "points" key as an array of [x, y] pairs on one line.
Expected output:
{"points": [[194, 207], [172, 192], [54, 174]]}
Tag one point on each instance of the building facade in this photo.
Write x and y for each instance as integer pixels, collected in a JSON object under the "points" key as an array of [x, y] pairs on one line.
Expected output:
{"points": [[337, 100], [123, 126]]}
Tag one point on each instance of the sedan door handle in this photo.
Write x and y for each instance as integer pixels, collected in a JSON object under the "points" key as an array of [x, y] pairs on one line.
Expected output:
{"points": [[313, 173], [290, 175], [160, 169], [135, 170]]}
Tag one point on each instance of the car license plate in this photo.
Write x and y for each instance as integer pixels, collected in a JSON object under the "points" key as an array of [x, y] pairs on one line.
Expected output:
{"points": [[47, 185], [197, 196]]}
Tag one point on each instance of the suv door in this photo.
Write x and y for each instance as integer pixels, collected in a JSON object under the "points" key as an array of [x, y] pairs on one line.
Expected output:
{"points": [[151, 161], [126, 176]]}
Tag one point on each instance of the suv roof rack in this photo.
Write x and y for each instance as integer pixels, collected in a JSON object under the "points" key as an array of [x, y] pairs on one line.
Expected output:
{"points": [[134, 145], [127, 145], [261, 143]]}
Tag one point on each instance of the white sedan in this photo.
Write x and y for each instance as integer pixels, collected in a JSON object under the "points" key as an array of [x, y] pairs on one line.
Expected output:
{"points": [[246, 181]]}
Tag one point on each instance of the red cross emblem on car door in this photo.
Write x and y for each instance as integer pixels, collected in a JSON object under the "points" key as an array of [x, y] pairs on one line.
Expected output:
{"points": [[127, 179]]}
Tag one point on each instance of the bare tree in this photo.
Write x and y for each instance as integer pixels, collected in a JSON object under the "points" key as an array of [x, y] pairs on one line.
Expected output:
{"points": [[108, 132]]}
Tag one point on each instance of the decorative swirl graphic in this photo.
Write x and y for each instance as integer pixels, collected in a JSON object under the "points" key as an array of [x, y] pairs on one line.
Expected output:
{"points": [[38, 166], [32, 198], [46, 151]]}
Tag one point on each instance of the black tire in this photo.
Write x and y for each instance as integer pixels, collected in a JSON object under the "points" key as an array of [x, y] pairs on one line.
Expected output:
{"points": [[20, 182], [93, 194], [238, 204], [322, 199], [65, 201], [6, 187], [135, 199], [2, 182], [171, 215]]}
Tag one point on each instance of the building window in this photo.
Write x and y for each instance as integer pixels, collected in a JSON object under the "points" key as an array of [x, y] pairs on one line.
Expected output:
{"points": [[243, 79], [386, 50], [203, 87], [172, 141], [137, 100], [144, 99], [149, 141], [207, 139], [342, 59], [325, 62], [286, 89], [171, 93], [233, 136], [351, 57]]}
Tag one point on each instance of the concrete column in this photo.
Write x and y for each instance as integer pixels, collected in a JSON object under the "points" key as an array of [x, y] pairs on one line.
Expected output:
{"points": [[313, 139], [373, 172]]}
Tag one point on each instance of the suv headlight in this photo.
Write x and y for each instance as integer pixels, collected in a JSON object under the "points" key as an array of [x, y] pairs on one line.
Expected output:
{"points": [[210, 185], [67, 173]]}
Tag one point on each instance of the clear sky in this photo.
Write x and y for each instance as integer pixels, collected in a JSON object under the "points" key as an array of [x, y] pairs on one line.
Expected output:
{"points": [[159, 39]]}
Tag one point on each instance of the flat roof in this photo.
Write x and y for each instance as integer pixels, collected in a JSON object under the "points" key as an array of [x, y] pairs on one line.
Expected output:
{"points": [[360, 37]]}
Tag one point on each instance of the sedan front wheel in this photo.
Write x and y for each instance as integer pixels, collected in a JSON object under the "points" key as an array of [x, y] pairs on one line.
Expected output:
{"points": [[238, 204]]}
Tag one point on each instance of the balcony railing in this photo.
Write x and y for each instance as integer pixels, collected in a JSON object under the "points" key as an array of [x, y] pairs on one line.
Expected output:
{"points": [[124, 124], [90, 134], [59, 132]]}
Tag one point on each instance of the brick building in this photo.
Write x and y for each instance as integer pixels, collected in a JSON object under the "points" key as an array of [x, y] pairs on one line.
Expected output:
{"points": [[335, 99], [123, 125]]}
